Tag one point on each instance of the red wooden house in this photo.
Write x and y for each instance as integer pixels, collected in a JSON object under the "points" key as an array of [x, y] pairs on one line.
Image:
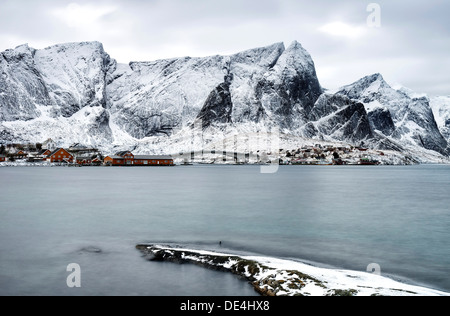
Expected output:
{"points": [[148, 160], [122, 158], [60, 155], [20, 155], [126, 158]]}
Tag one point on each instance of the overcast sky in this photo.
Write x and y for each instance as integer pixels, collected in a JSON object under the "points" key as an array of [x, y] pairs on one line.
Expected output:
{"points": [[410, 47]]}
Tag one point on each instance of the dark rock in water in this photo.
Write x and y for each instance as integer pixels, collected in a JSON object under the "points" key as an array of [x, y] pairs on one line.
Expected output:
{"points": [[249, 270], [269, 278], [91, 249]]}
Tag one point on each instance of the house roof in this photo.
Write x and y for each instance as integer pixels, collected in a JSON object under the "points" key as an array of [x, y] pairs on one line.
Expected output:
{"points": [[56, 150], [115, 157], [42, 151], [78, 146], [150, 157], [123, 153], [144, 157]]}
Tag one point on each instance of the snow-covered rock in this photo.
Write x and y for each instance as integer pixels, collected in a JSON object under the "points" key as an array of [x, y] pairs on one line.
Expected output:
{"points": [[339, 118], [441, 110], [74, 75], [398, 115], [22, 87], [289, 90], [58, 92], [281, 277]]}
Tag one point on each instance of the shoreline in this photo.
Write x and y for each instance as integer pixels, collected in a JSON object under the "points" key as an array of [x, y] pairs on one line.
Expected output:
{"points": [[50, 165], [280, 277]]}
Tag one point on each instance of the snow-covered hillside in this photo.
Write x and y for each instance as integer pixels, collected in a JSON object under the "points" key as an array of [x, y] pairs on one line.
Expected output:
{"points": [[76, 92], [406, 119], [441, 110]]}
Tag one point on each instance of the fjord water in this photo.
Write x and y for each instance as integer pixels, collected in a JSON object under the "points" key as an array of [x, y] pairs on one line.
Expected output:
{"points": [[344, 217]]}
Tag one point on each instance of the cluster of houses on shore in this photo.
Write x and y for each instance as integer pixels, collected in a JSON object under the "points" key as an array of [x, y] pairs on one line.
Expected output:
{"points": [[329, 155], [80, 155]]}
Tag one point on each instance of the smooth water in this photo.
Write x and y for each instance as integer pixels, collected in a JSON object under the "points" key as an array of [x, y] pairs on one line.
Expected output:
{"points": [[345, 217]]}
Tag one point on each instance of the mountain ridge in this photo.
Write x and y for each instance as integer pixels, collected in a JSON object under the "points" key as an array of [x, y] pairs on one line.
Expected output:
{"points": [[76, 92]]}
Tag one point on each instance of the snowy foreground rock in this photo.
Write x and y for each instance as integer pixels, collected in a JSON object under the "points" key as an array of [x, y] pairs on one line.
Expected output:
{"points": [[77, 93], [277, 277]]}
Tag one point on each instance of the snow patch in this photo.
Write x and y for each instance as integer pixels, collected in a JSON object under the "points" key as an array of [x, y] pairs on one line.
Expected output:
{"points": [[280, 277]]}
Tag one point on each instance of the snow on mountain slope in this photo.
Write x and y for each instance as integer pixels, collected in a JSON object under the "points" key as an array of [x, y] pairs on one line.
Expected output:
{"points": [[160, 97], [336, 117], [288, 91], [21, 85], [74, 75], [441, 110], [58, 93], [89, 126], [398, 116]]}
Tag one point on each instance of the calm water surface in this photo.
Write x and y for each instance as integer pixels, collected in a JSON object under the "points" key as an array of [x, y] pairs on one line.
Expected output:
{"points": [[345, 217]]}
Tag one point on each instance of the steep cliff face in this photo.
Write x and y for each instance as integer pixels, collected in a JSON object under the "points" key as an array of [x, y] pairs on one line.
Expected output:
{"points": [[336, 117], [218, 107], [74, 75], [22, 88], [58, 92], [441, 111], [413, 121], [381, 120], [288, 91]]}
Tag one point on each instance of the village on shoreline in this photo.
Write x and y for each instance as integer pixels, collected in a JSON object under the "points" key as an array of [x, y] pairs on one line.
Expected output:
{"points": [[48, 154]]}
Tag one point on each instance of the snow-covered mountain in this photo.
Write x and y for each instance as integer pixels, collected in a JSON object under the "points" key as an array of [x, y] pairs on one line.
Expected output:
{"points": [[57, 92], [397, 115], [77, 93], [441, 110]]}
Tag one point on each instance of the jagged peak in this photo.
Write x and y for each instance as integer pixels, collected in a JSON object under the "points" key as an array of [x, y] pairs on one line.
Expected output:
{"points": [[298, 57], [23, 47], [294, 64], [374, 77], [371, 79], [266, 56], [368, 84], [95, 44], [75, 48], [20, 52], [295, 45], [272, 47]]}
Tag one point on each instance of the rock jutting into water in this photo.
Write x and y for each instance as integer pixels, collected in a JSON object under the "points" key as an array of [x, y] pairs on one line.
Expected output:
{"points": [[276, 277]]}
